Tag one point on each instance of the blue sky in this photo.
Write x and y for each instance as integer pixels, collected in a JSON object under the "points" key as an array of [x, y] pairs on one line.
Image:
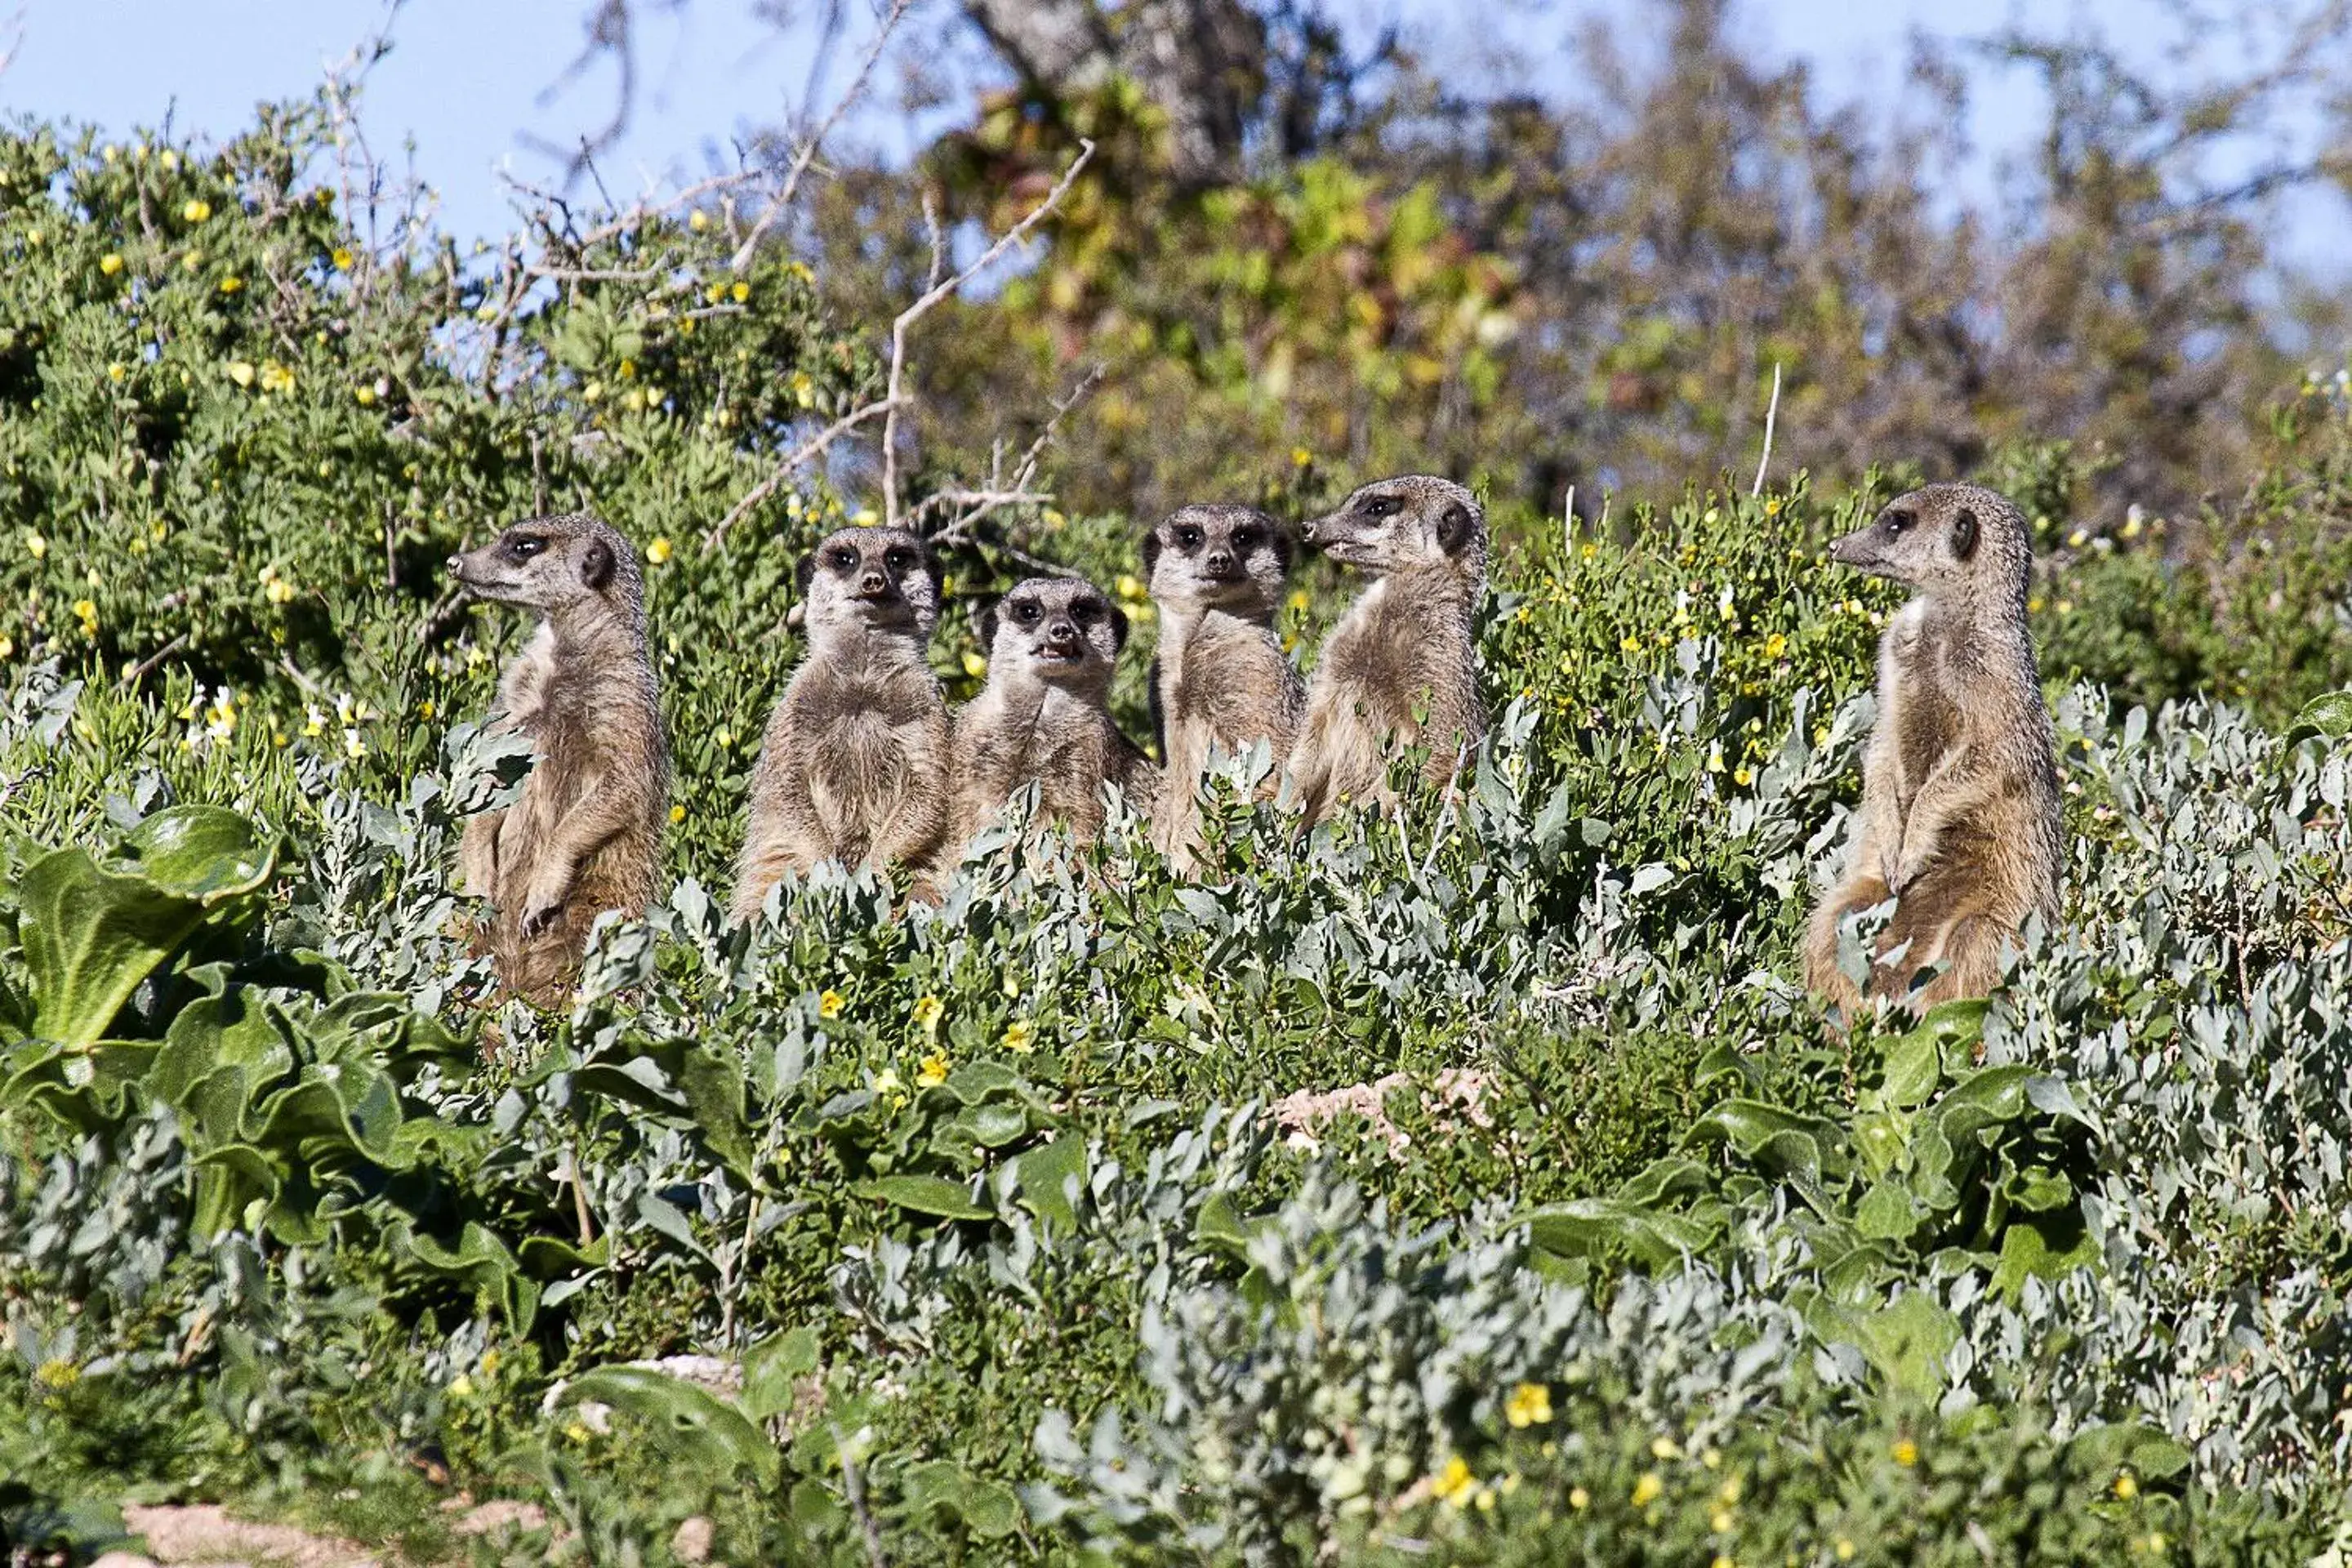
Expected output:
{"points": [[467, 82]]}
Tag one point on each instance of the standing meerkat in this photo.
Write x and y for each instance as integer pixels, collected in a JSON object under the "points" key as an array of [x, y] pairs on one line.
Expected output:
{"points": [[1404, 648], [1220, 679], [584, 835], [1045, 715], [853, 766], [1959, 818]]}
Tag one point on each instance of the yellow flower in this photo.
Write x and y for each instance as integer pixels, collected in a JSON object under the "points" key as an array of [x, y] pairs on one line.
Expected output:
{"points": [[1528, 1406], [741, 291], [1723, 1560], [462, 1386], [677, 813], [659, 551], [1720, 1522], [933, 1071], [364, 394], [342, 258], [275, 377], [1127, 586], [1906, 1452], [241, 373], [1741, 776], [87, 611], [231, 284], [277, 590], [197, 210], [1775, 646], [888, 1082], [700, 221], [1453, 1483], [1714, 765], [1730, 1492], [1664, 1448], [7, 647], [1298, 600], [1630, 644], [1020, 1037], [2156, 1542], [1579, 1498], [2126, 1488], [1772, 507], [974, 665], [1647, 1489], [830, 1005], [2077, 540], [34, 545], [1300, 456], [117, 370], [110, 263], [1844, 1550], [928, 1012]]}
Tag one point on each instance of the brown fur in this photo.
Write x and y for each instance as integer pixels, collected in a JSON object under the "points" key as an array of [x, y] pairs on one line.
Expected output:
{"points": [[1220, 680], [853, 766], [585, 834], [1404, 645], [1045, 716], [1960, 820]]}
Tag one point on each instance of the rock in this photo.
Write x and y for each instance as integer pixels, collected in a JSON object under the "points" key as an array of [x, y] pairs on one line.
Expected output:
{"points": [[692, 1542]]}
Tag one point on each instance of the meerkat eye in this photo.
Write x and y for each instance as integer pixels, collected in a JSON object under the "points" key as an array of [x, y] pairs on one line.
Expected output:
{"points": [[1380, 505], [1896, 522], [1245, 540], [899, 560], [1188, 538], [843, 559], [523, 546], [1085, 612], [1025, 612]]}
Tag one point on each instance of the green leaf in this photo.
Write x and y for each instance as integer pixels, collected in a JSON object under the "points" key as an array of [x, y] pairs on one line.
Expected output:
{"points": [[1580, 1226], [687, 1422], [925, 1194], [1042, 1176], [1888, 1212], [2328, 715], [1783, 1143], [2045, 1246], [939, 1490], [201, 852], [772, 1369]]}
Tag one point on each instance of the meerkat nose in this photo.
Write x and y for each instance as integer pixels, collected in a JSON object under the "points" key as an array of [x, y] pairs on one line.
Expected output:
{"points": [[456, 564]]}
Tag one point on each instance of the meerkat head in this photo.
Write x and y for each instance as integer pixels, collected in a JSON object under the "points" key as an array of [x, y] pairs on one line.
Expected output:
{"points": [[1218, 557], [1409, 521], [870, 580], [1949, 541], [1060, 630], [554, 565]]}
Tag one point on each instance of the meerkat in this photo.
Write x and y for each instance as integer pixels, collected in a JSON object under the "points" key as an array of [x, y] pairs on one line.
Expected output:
{"points": [[1045, 715], [1404, 648], [1220, 679], [585, 834], [853, 766], [1959, 818]]}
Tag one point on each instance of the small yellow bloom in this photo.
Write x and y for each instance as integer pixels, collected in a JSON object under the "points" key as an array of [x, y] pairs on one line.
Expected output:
{"points": [[88, 612], [1528, 1406], [275, 377], [117, 370], [1714, 765], [1720, 1522], [676, 814], [1741, 776], [1723, 1560], [110, 263], [830, 1005], [933, 1071], [2126, 1487], [1647, 1489], [1844, 1550], [974, 665], [197, 210], [1020, 1037], [277, 590], [342, 258], [462, 1386], [1772, 507], [1629, 645], [1664, 1448], [887, 1081], [364, 394], [7, 647], [659, 551], [1453, 1483], [1906, 1452], [1298, 600], [929, 1010], [698, 221], [231, 284], [1579, 1498], [241, 373], [2077, 540], [1129, 586], [1775, 646], [741, 291], [34, 545], [2156, 1542]]}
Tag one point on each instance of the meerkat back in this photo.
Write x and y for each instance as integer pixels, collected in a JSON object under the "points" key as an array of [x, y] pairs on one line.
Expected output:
{"points": [[1960, 821], [584, 835], [1404, 646], [853, 766]]}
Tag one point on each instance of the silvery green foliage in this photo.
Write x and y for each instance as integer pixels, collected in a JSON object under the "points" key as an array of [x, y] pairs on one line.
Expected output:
{"points": [[99, 1220]]}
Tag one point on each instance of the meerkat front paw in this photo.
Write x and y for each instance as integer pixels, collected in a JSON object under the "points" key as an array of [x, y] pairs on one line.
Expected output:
{"points": [[539, 909]]}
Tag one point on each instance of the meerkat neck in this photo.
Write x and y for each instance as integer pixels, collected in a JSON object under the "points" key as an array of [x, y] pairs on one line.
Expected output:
{"points": [[875, 651], [599, 625]]}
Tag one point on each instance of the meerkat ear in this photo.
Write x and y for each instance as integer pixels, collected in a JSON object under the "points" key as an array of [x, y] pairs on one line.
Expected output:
{"points": [[1285, 547], [1453, 528], [988, 626], [1964, 535], [1151, 552], [596, 564], [803, 570], [1117, 628], [938, 574]]}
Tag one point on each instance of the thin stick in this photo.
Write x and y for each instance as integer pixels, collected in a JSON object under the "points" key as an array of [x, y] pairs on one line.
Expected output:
{"points": [[937, 292], [1568, 523], [801, 454], [1771, 414], [807, 155], [855, 1490], [145, 666]]}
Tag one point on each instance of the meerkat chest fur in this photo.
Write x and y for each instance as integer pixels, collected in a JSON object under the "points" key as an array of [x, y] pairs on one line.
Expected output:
{"points": [[1225, 682], [877, 720], [1401, 645], [1060, 741]]}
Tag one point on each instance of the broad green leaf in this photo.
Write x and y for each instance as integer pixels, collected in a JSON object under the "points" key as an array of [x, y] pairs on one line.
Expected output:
{"points": [[1657, 1240], [2043, 1246], [201, 852], [772, 1369], [938, 1488], [925, 1194], [1042, 1177], [1782, 1141], [690, 1422], [2328, 715], [1888, 1212]]}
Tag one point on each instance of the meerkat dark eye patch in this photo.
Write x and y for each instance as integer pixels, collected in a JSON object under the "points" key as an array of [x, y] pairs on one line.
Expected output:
{"points": [[843, 560], [1895, 522], [1453, 528], [523, 546], [1118, 634], [1380, 505], [899, 560], [1085, 612], [1152, 548], [1026, 612], [1188, 538], [596, 564], [1245, 540], [1964, 534]]}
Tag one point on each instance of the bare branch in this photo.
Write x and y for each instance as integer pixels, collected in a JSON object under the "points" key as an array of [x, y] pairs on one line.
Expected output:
{"points": [[799, 455], [939, 289], [783, 201], [1771, 414], [999, 491]]}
